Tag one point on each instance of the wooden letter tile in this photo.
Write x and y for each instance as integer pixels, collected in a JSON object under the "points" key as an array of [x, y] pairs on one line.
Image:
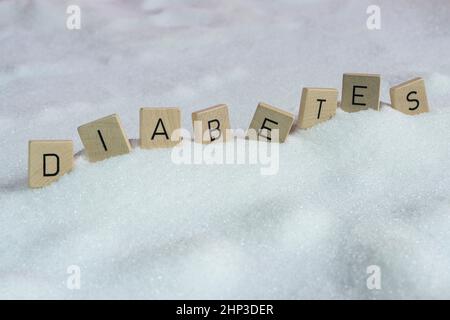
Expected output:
{"points": [[157, 126], [410, 97], [48, 160], [104, 138], [360, 92], [211, 124], [268, 118], [317, 105]]}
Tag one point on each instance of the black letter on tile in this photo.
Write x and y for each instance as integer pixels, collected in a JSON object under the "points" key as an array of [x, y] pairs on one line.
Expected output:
{"points": [[47, 174], [164, 132], [101, 139], [320, 106], [214, 129], [413, 100], [358, 95], [267, 128]]}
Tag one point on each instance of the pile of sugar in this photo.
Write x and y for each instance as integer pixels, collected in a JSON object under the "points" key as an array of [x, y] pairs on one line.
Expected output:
{"points": [[369, 188]]}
